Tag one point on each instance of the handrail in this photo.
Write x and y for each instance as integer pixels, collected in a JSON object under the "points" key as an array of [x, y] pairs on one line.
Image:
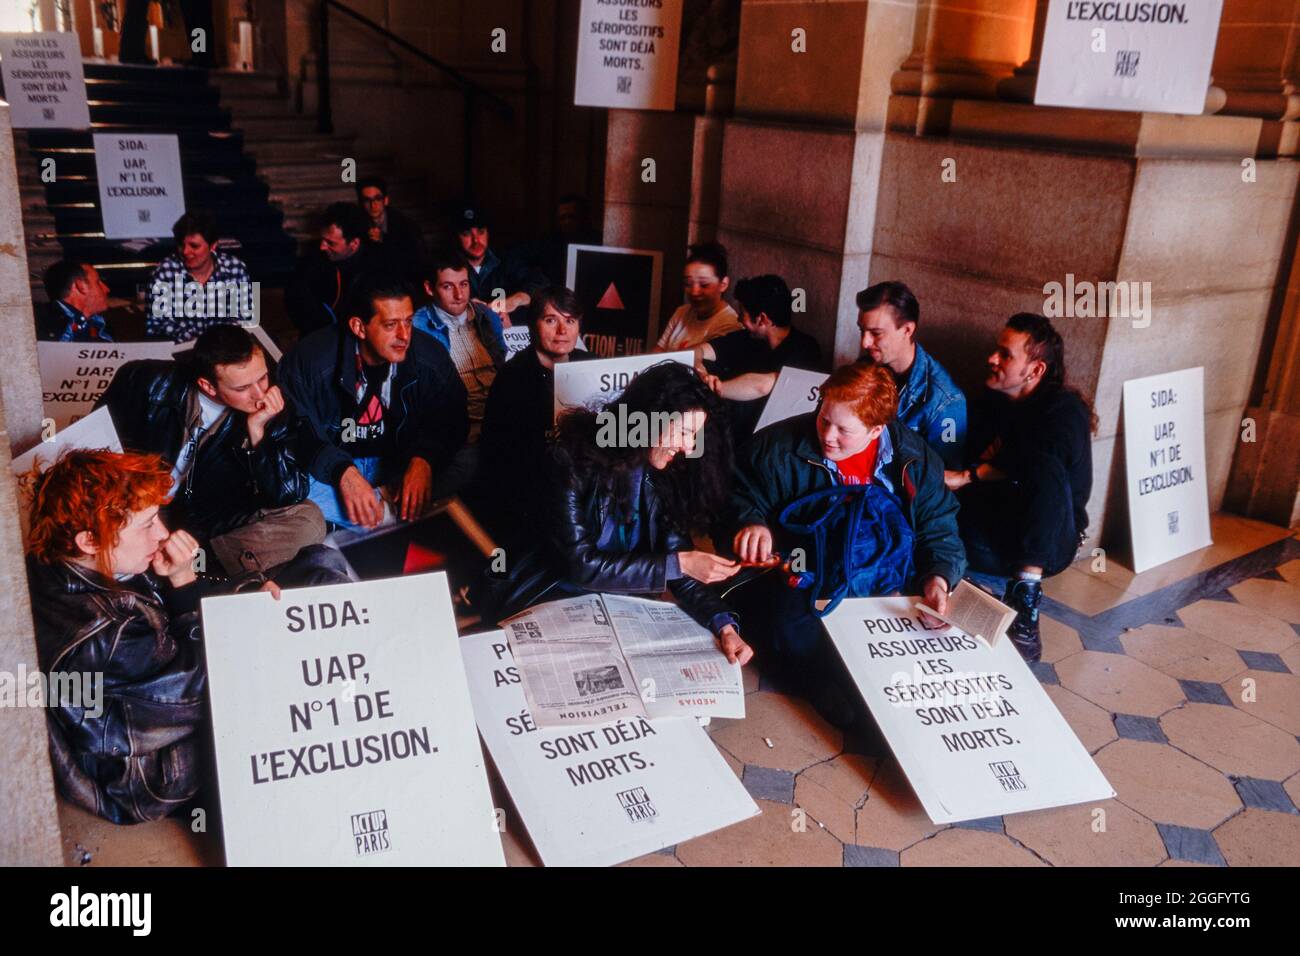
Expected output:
{"points": [[473, 92]]}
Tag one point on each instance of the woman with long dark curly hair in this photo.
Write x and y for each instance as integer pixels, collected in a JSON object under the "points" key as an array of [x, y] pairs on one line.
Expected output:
{"points": [[632, 483]]}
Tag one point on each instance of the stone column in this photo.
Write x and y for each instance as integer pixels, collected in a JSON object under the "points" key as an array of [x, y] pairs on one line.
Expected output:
{"points": [[29, 825], [965, 49]]}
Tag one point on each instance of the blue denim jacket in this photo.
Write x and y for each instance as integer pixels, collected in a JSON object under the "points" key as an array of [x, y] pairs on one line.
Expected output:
{"points": [[926, 403], [486, 322]]}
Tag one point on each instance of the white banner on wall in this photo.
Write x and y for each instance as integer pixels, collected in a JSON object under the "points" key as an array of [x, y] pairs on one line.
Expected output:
{"points": [[141, 192], [45, 85], [605, 793], [1147, 56], [627, 54], [971, 726], [592, 384], [343, 728], [75, 374], [1164, 451], [796, 392]]}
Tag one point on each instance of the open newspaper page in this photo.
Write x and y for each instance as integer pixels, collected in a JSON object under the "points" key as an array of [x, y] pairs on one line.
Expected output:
{"points": [[676, 663], [570, 664], [976, 612]]}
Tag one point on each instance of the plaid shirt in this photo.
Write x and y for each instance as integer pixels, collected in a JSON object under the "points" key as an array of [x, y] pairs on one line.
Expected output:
{"points": [[166, 318]]}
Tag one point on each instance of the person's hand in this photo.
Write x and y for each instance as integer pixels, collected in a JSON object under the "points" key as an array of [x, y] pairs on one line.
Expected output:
{"points": [[272, 404], [737, 651], [934, 593], [175, 558], [712, 381], [956, 480], [706, 568], [359, 500], [753, 544], [417, 489], [271, 588]]}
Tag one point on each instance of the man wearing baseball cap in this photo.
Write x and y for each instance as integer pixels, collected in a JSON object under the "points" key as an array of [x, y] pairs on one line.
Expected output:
{"points": [[503, 283]]}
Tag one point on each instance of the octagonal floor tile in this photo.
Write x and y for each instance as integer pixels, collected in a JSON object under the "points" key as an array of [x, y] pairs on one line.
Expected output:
{"points": [[1281, 599], [1069, 836], [1276, 698], [1260, 838], [1119, 684], [1168, 786], [831, 792], [799, 736], [1232, 741], [962, 847], [1092, 725], [765, 840], [892, 818], [1238, 626], [1182, 653], [1059, 640]]}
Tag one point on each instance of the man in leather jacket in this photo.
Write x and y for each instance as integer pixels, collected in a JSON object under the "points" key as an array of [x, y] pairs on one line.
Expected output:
{"points": [[231, 439]]}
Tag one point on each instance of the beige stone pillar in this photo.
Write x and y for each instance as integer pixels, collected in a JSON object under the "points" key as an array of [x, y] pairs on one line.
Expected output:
{"points": [[29, 827], [965, 48]]}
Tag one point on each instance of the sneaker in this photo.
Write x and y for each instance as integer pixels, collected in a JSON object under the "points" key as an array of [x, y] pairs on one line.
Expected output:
{"points": [[1024, 597]]}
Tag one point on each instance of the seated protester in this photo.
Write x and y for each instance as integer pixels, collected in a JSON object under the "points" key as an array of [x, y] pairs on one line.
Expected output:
{"points": [[384, 408], [743, 366], [622, 511], [196, 286], [704, 316], [929, 402], [231, 442], [468, 330], [512, 490], [393, 234], [573, 226], [115, 599], [77, 296], [1024, 493], [852, 439], [336, 269], [503, 283]]}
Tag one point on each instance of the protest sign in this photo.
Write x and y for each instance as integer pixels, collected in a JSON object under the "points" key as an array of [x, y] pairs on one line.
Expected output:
{"points": [[94, 431], [602, 794], [592, 384], [619, 292], [627, 55], [1164, 451], [75, 374], [517, 339], [973, 730], [141, 193], [343, 728], [256, 331], [796, 392], [44, 83], [1154, 57]]}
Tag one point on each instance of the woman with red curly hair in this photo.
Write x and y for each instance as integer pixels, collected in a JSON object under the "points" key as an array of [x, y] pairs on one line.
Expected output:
{"points": [[115, 601]]}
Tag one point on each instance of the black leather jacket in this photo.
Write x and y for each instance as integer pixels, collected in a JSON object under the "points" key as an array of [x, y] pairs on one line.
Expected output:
{"points": [[140, 757], [588, 552], [228, 481]]}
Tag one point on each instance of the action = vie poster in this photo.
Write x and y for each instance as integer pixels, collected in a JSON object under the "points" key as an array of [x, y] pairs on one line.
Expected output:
{"points": [[619, 292]]}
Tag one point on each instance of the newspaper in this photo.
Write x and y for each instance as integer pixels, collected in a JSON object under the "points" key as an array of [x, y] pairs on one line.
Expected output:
{"points": [[975, 612], [597, 657]]}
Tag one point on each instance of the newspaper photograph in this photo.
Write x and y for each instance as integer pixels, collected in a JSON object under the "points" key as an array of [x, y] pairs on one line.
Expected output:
{"points": [[596, 657]]}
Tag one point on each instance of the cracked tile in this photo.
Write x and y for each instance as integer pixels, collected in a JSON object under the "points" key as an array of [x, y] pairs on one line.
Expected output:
{"points": [[1069, 836]]}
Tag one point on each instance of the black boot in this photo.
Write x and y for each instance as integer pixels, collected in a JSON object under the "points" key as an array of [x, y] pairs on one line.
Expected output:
{"points": [[1024, 597]]}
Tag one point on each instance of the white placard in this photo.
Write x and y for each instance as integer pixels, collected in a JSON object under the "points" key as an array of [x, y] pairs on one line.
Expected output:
{"points": [[1150, 56], [44, 82], [592, 384], [1164, 451], [141, 192], [94, 431], [256, 331], [75, 374], [602, 794], [343, 728], [796, 392], [970, 725], [627, 54], [517, 338]]}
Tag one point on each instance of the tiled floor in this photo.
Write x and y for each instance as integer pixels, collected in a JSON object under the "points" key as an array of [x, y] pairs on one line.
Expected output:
{"points": [[1182, 682]]}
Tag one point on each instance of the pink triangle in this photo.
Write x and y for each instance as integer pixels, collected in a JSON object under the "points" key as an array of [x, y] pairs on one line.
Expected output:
{"points": [[611, 299], [420, 558]]}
